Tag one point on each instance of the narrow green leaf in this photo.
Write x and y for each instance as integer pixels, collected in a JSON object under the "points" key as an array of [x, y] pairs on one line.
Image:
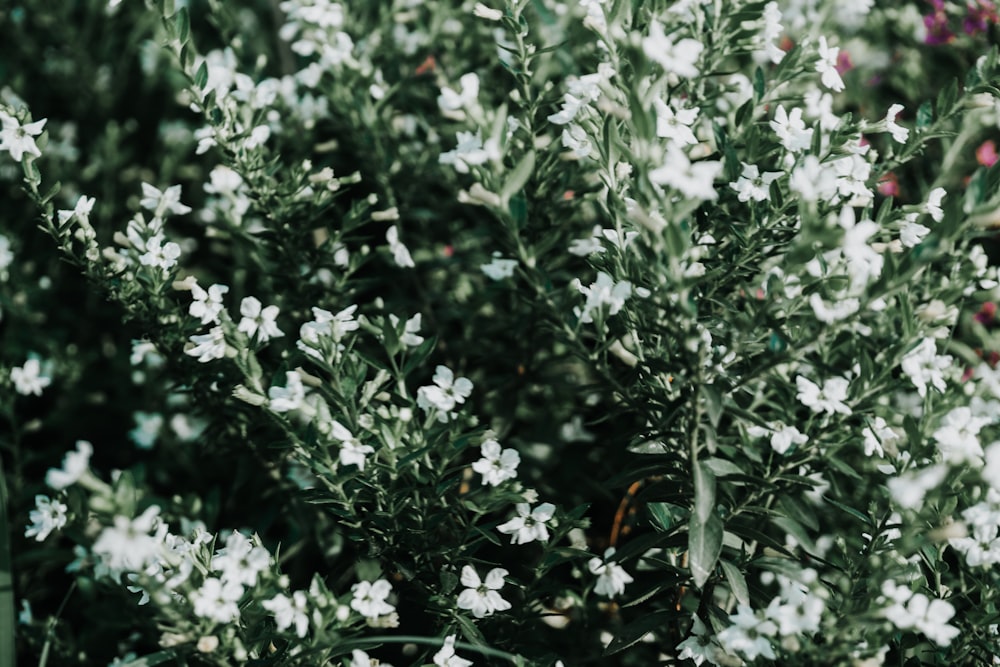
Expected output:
{"points": [[925, 115], [518, 177], [633, 633], [713, 404], [704, 491], [737, 582], [201, 76], [704, 547], [183, 21], [7, 616], [721, 467], [157, 658]]}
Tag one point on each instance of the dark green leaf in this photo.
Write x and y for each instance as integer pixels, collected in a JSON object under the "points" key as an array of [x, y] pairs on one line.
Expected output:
{"points": [[633, 633], [737, 582], [518, 177], [704, 491], [704, 547]]}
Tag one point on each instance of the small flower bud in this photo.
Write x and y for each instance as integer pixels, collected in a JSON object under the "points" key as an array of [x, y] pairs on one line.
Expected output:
{"points": [[484, 12]]}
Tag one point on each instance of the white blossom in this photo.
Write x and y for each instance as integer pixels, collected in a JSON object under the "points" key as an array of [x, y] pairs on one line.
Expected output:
{"points": [[830, 399], [370, 598], [497, 464], [28, 378], [74, 465], [289, 611], [611, 577], [48, 515], [529, 524], [482, 596], [258, 320]]}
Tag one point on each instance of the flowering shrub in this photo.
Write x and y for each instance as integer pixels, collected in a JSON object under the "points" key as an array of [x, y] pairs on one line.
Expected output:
{"points": [[307, 307]]}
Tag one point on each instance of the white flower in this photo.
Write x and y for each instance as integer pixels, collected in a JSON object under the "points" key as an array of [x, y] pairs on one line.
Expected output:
{"points": [[81, 211], [924, 366], [290, 397], [28, 379], [791, 129], [207, 305], [899, 133], [694, 180], [450, 101], [933, 205], [611, 577], [217, 600], [602, 292], [352, 452], [167, 201], [912, 233], [481, 597], [157, 253], [680, 58], [748, 634], [446, 656], [147, 428], [675, 124], [753, 185], [370, 598], [289, 611], [400, 253], [840, 309], [208, 346], [783, 439], [577, 140], [48, 515], [908, 490], [878, 435], [484, 12], [258, 320], [360, 659], [410, 328], [469, 152], [499, 268], [771, 32], [814, 181], [700, 646], [957, 436], [445, 394], [127, 546], [829, 399], [827, 66], [241, 560], [529, 524], [16, 139], [74, 465], [919, 613], [498, 464]]}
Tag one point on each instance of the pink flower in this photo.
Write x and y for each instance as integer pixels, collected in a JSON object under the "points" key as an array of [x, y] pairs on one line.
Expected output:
{"points": [[986, 154]]}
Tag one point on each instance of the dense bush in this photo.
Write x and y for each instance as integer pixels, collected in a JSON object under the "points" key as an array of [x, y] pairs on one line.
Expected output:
{"points": [[595, 332]]}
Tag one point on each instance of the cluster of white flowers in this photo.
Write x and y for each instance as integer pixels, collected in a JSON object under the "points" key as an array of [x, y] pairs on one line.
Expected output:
{"points": [[915, 611]]}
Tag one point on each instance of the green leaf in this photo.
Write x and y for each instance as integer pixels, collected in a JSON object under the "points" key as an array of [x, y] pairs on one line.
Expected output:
{"points": [[721, 467], [737, 582], [633, 633], [518, 210], [713, 404], [925, 115], [201, 76], [518, 177], [157, 658], [182, 20], [704, 491], [665, 516], [704, 547]]}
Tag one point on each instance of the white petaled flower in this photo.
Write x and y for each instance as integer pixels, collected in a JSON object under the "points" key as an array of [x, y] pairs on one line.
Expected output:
{"points": [[771, 32], [290, 397], [289, 611], [469, 152], [498, 464], [84, 205], [161, 203], [675, 123], [611, 577], [207, 305], [74, 465], [753, 185], [259, 320], [217, 600], [18, 139], [830, 399], [912, 233], [400, 253], [28, 378], [446, 656], [529, 524], [409, 337], [481, 597], [748, 634], [827, 66], [694, 180], [957, 436], [575, 138], [899, 133], [915, 611], [499, 268], [241, 560], [602, 292], [127, 545], [360, 659], [352, 452], [208, 346], [839, 310], [445, 394], [159, 254], [923, 365], [786, 436], [700, 646], [791, 129], [679, 58], [48, 515], [370, 598], [933, 205]]}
